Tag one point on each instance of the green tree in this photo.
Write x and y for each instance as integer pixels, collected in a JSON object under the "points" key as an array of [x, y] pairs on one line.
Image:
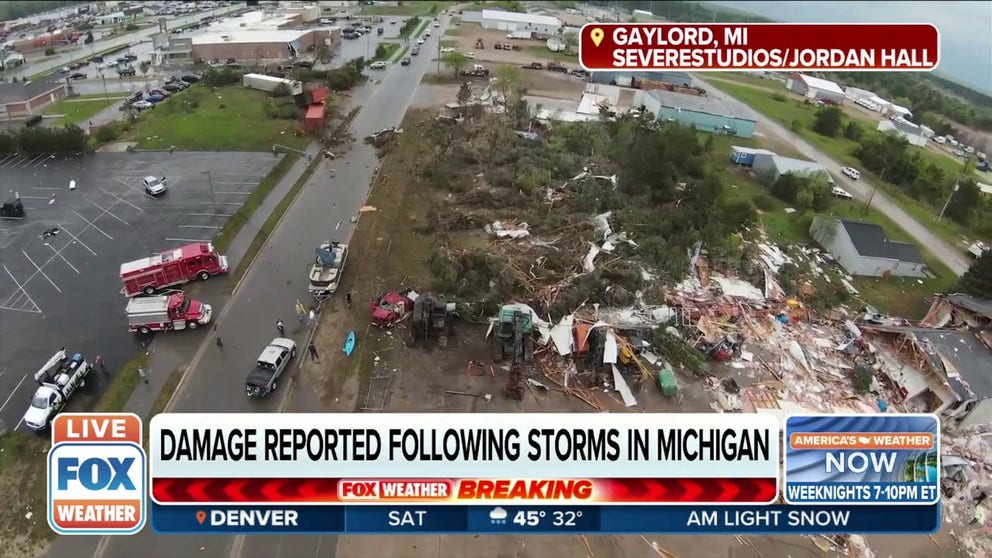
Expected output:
{"points": [[853, 131], [977, 281], [571, 42], [464, 93], [828, 121], [507, 82], [144, 67], [89, 38], [965, 202], [454, 60]]}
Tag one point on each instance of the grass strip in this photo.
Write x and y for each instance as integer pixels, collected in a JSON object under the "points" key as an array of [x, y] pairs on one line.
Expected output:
{"points": [[223, 239], [401, 54], [164, 396], [122, 385]]}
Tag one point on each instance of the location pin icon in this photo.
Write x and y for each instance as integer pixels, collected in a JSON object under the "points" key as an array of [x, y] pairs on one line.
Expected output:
{"points": [[201, 516], [597, 36]]}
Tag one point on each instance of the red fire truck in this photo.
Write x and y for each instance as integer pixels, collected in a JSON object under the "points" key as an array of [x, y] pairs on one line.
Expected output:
{"points": [[171, 268]]}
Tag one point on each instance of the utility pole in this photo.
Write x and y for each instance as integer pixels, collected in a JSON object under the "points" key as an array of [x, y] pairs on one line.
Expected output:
{"points": [[210, 182], [957, 186], [439, 56], [871, 196]]}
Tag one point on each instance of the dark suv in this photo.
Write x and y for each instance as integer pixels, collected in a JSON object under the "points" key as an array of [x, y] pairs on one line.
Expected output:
{"points": [[126, 72], [34, 120]]}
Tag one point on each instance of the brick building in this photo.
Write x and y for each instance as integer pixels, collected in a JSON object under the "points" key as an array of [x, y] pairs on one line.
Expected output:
{"points": [[23, 99]]}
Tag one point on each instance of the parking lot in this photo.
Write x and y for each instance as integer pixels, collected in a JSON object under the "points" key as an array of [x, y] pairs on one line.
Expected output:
{"points": [[64, 290]]}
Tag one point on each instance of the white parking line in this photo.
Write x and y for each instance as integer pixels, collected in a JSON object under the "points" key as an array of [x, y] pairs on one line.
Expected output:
{"points": [[237, 184], [120, 199], [63, 259], [211, 214], [12, 392], [11, 162], [46, 188], [222, 203], [21, 291], [188, 239], [92, 224], [43, 274], [7, 158], [34, 198], [235, 193], [37, 158], [107, 211], [198, 227], [76, 238], [43, 161]]}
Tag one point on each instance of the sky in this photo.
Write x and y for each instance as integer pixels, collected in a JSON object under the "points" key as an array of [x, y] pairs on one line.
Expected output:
{"points": [[965, 28]]}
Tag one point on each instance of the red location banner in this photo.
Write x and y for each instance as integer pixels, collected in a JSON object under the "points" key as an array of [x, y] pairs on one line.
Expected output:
{"points": [[798, 47]]}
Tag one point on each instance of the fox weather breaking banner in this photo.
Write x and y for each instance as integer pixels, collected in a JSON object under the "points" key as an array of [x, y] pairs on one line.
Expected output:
{"points": [[862, 459]]}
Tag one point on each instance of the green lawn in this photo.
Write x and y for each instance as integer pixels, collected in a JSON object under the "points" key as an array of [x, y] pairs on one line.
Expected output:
{"points": [[842, 150], [78, 112], [388, 50], [410, 9], [543, 52], [229, 119], [901, 297]]}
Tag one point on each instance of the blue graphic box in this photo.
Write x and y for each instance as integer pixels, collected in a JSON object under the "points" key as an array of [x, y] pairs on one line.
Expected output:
{"points": [[878, 459]]}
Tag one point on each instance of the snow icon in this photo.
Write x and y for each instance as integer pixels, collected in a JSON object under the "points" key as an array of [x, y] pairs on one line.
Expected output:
{"points": [[498, 516]]}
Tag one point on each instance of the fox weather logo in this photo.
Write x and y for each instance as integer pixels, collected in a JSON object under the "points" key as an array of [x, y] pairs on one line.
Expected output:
{"points": [[96, 482]]}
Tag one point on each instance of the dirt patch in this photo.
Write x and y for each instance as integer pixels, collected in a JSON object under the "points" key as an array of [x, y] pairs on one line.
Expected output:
{"points": [[530, 50], [23, 480]]}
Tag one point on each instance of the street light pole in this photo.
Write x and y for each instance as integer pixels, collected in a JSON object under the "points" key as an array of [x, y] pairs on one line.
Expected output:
{"points": [[957, 186], [210, 182]]}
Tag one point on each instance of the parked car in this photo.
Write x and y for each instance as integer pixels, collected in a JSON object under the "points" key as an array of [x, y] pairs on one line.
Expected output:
{"points": [[154, 185], [427, 32], [142, 105], [33, 120], [842, 193], [470, 55], [126, 72], [446, 50], [421, 41], [851, 173], [171, 79], [415, 50], [65, 70], [159, 92], [405, 61], [181, 84], [77, 75], [154, 99], [190, 78], [137, 96], [379, 65], [172, 88]]}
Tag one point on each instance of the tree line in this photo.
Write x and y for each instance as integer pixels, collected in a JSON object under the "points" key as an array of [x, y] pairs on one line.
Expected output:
{"points": [[31, 141], [687, 12], [19, 9], [889, 155]]}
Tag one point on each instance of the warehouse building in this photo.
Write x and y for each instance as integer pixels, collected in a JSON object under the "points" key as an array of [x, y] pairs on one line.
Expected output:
{"points": [[24, 99], [625, 79], [706, 114], [771, 166], [744, 156], [863, 249], [913, 133], [815, 88], [262, 37], [514, 21]]}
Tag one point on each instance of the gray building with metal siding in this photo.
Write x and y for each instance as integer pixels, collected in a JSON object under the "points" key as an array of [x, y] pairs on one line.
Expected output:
{"points": [[863, 249], [624, 78]]}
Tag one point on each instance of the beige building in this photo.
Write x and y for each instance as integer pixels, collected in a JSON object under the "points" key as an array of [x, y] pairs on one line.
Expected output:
{"points": [[263, 36], [23, 99]]}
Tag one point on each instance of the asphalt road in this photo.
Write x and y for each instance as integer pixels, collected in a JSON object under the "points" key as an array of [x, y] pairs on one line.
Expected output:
{"points": [[66, 290], [268, 292], [952, 256], [64, 59]]}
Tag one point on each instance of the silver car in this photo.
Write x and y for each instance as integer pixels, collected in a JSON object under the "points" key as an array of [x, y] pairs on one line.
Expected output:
{"points": [[154, 186]]}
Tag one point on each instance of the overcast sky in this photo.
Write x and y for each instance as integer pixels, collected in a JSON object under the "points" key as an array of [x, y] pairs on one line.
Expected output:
{"points": [[965, 28]]}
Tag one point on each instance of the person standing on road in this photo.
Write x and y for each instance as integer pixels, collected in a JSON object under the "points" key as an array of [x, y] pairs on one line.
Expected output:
{"points": [[281, 327], [311, 317], [313, 352], [143, 374], [101, 363], [347, 299], [301, 312]]}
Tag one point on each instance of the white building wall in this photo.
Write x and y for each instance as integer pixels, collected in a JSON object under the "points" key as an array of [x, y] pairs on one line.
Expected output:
{"points": [[834, 238], [919, 140], [511, 26], [981, 414]]}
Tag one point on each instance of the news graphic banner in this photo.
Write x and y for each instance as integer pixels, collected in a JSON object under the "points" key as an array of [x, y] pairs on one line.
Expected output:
{"points": [[389, 459], [784, 47], [96, 474], [862, 459]]}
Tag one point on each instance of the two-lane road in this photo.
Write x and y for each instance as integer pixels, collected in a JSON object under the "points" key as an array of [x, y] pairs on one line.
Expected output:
{"points": [[323, 211], [952, 256]]}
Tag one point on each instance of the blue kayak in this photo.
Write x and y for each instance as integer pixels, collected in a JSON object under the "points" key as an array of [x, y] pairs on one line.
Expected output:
{"points": [[349, 344]]}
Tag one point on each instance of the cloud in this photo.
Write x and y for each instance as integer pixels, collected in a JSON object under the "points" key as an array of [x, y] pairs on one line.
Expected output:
{"points": [[498, 513]]}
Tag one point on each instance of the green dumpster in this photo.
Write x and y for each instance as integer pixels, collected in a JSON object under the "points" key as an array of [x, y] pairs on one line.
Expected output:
{"points": [[666, 382]]}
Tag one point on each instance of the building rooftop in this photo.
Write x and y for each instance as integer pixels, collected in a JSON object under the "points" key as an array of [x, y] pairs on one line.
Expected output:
{"points": [[821, 84], [707, 105], [786, 165], [249, 36], [870, 241], [739, 149], [517, 17], [18, 92], [977, 305], [964, 359]]}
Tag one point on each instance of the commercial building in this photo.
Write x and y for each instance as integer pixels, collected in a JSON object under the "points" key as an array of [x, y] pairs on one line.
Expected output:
{"points": [[262, 37], [863, 249], [770, 166], [913, 133], [23, 99], [815, 88], [706, 114], [625, 79], [514, 21]]}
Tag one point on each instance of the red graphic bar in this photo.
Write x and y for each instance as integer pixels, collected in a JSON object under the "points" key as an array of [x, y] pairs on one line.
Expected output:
{"points": [[322, 490], [760, 46]]}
